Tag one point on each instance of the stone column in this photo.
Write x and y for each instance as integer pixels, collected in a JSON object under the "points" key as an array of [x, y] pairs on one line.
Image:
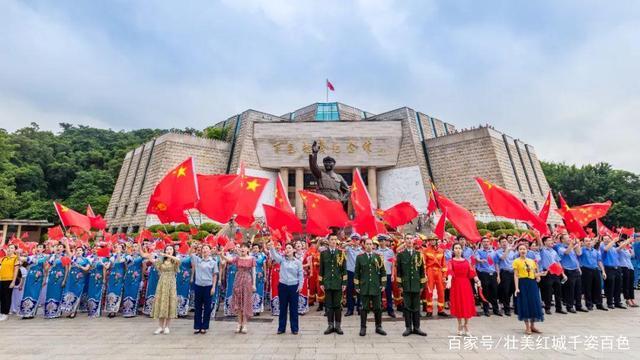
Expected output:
{"points": [[19, 231], [284, 174], [372, 185], [299, 186], [5, 228]]}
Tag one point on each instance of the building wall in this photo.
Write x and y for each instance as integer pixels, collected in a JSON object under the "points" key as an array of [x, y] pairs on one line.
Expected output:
{"points": [[457, 158], [169, 150]]}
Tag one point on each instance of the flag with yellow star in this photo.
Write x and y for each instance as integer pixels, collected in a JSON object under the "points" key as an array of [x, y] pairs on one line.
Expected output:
{"points": [[544, 212], [69, 217], [322, 213], [461, 219], [175, 193], [249, 192], [584, 214]]}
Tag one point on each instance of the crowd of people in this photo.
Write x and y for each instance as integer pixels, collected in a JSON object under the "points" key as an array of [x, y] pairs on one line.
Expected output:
{"points": [[410, 274]]}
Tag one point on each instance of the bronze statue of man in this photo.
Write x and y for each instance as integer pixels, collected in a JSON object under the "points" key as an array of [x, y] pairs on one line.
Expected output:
{"points": [[329, 183]]}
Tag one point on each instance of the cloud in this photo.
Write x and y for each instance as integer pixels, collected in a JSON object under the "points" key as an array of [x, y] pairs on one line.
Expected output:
{"points": [[560, 76]]}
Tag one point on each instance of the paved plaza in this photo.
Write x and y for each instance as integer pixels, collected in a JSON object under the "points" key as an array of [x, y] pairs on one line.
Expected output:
{"points": [[597, 335]]}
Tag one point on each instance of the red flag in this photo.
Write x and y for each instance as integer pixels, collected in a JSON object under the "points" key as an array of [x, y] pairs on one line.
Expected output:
{"points": [[315, 229], [193, 231], [627, 231], [238, 236], [323, 212], [590, 233], [399, 214], [103, 251], [184, 247], [65, 260], [573, 227], [222, 240], [175, 193], [282, 198], [24, 235], [504, 203], [330, 85], [584, 214], [490, 260], [97, 222], [55, 233], [365, 221], [183, 236], [278, 219], [461, 218], [544, 212], [432, 206], [218, 196], [70, 217], [555, 269], [439, 230], [248, 196], [90, 212]]}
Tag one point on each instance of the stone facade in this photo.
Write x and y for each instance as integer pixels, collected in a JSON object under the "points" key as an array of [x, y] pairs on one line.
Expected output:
{"points": [[399, 153]]}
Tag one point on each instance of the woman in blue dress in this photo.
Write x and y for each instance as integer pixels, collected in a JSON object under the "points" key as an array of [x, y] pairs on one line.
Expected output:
{"points": [[97, 276], [258, 295], [74, 284], [132, 280], [55, 278], [33, 285], [183, 284], [152, 284], [228, 287], [116, 282]]}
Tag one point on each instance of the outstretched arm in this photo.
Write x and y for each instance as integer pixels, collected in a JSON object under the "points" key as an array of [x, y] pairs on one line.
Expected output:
{"points": [[313, 161]]}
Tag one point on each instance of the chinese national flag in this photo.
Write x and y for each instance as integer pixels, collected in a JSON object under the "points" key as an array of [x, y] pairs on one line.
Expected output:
{"points": [[584, 214], [627, 231], [97, 222], [280, 219], [55, 233], [248, 195], [504, 203], [365, 221], [323, 213], [218, 196], [432, 206], [175, 193], [573, 226], [439, 230], [399, 214], [70, 217], [461, 218], [544, 212], [330, 85], [282, 198]]}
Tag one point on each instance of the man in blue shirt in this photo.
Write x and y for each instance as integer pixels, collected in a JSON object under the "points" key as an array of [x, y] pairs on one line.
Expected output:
{"points": [[591, 267], [387, 255], [487, 269], [612, 275], [550, 284], [569, 250], [505, 256], [352, 250]]}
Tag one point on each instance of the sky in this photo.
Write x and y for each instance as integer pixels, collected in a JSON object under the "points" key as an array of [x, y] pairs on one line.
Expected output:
{"points": [[563, 76]]}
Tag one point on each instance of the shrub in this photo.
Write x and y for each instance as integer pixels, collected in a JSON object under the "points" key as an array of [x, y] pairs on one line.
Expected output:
{"points": [[481, 225], [210, 227], [201, 235], [494, 226], [183, 227]]}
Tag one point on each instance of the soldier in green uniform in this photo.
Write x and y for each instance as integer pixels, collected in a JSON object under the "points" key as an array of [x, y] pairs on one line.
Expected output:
{"points": [[370, 280], [333, 281], [412, 278]]}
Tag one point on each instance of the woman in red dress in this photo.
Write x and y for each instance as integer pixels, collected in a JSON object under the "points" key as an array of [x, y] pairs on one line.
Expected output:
{"points": [[462, 303], [244, 285]]}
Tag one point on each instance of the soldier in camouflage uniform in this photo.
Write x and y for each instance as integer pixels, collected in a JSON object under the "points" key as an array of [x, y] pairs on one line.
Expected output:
{"points": [[370, 280], [412, 279], [333, 281]]}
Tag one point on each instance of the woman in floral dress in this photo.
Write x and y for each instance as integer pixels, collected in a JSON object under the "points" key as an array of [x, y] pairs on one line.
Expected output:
{"points": [[33, 285], [166, 304], [132, 280], [74, 283], [244, 285], [97, 276], [116, 282], [55, 278]]}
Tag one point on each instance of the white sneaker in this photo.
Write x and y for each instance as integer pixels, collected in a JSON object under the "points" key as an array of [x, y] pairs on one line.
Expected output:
{"points": [[3, 317], [166, 331], [158, 331]]}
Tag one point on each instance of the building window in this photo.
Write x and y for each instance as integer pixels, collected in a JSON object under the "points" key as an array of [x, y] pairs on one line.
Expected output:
{"points": [[135, 229], [535, 203], [327, 112], [124, 212], [115, 212], [524, 201], [135, 208]]}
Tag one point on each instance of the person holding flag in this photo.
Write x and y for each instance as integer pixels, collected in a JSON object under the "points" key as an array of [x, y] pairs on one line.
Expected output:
{"points": [[56, 275], [74, 285], [591, 267], [487, 270], [132, 280], [569, 250], [115, 283], [459, 272], [388, 257], [552, 275]]}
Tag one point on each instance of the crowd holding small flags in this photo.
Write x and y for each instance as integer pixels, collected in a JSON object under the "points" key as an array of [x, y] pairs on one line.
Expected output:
{"points": [[83, 268]]}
